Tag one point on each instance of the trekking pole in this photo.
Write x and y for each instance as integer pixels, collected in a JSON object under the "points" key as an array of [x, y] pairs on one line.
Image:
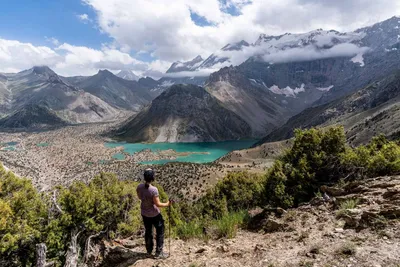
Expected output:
{"points": [[169, 230]]}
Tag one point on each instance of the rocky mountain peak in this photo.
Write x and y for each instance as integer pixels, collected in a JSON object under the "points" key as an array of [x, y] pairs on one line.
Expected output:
{"points": [[43, 70], [105, 73], [197, 59], [235, 46], [127, 75], [47, 74], [225, 74], [185, 66]]}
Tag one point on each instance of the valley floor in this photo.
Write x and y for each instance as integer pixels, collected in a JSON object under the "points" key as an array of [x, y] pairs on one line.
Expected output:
{"points": [[63, 155]]}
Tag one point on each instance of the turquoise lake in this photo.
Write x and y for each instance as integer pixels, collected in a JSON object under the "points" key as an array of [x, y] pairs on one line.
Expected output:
{"points": [[10, 146], [214, 150], [42, 144]]}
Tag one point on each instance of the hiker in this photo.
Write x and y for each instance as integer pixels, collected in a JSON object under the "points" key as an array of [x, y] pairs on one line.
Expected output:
{"points": [[150, 204]]}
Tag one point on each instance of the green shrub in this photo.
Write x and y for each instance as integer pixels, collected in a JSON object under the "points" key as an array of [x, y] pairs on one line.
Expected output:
{"points": [[105, 205], [189, 230], [23, 216], [228, 225], [27, 218], [321, 157], [312, 161], [379, 157], [235, 192], [346, 205], [349, 204]]}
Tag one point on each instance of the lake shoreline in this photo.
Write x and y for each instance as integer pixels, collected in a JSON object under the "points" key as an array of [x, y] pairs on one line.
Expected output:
{"points": [[194, 152]]}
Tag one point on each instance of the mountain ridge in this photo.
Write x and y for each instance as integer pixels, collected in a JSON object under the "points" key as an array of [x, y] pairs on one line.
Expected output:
{"points": [[364, 113], [184, 113], [42, 87]]}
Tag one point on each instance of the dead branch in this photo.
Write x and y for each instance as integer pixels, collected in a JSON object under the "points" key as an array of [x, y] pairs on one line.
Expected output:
{"points": [[88, 247], [41, 251], [73, 250], [56, 204]]}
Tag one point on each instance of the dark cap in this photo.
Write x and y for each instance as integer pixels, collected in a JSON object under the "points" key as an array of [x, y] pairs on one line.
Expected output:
{"points": [[148, 175]]}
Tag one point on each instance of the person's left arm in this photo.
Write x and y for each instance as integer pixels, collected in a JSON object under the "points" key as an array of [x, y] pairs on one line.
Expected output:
{"points": [[158, 203]]}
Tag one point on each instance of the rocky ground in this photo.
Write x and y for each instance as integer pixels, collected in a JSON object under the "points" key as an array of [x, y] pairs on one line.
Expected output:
{"points": [[257, 158], [323, 233]]}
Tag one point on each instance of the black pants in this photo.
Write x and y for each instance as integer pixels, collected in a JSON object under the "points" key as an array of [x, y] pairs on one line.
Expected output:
{"points": [[158, 223]]}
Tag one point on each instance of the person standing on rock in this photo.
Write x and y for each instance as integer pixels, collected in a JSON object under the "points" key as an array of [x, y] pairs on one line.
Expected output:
{"points": [[150, 204]]}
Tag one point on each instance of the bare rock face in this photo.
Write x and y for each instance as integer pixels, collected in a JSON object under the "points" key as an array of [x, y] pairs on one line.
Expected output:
{"points": [[115, 254], [258, 107], [268, 220], [32, 116], [378, 198], [364, 113], [116, 91]]}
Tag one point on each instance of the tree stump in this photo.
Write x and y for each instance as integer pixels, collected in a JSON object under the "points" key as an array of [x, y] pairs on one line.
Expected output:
{"points": [[41, 250]]}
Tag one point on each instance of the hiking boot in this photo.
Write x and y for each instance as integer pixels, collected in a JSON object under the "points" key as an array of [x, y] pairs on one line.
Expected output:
{"points": [[161, 255], [149, 255]]}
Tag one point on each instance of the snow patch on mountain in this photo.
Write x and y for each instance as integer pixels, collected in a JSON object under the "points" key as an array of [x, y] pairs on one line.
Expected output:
{"points": [[287, 91], [325, 89], [167, 83], [258, 82], [358, 59]]}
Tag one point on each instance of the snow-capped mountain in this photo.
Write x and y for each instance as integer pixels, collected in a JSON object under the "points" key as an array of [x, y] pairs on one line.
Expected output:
{"points": [[186, 66], [298, 71], [214, 61], [313, 45], [320, 38], [222, 59], [127, 75]]}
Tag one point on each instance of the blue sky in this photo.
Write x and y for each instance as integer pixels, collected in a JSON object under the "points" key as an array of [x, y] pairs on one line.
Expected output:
{"points": [[32, 20]]}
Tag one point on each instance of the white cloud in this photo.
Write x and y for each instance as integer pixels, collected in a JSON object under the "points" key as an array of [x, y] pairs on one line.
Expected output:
{"points": [[165, 28], [84, 18], [16, 56], [67, 59], [199, 73], [310, 53], [156, 69]]}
